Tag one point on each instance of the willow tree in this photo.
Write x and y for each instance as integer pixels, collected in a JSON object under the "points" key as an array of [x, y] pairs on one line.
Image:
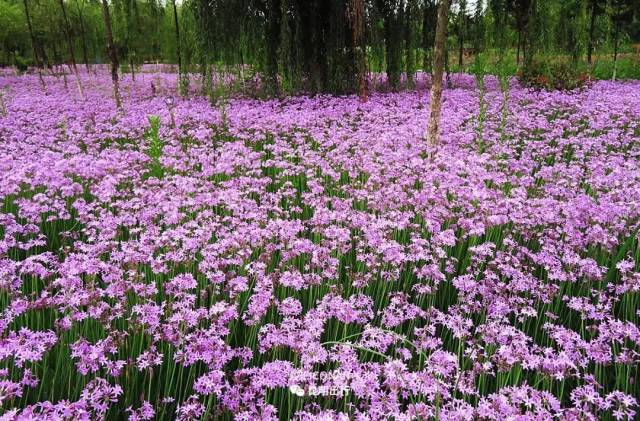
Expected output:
{"points": [[273, 11], [72, 54], [410, 61], [13, 40], [183, 77], [461, 26], [83, 35], [357, 26], [438, 70], [392, 14], [205, 41], [317, 45], [596, 8], [430, 17], [478, 28], [621, 13], [520, 12], [34, 44], [341, 58], [113, 54], [533, 35], [497, 10], [571, 17], [177, 35], [128, 34]]}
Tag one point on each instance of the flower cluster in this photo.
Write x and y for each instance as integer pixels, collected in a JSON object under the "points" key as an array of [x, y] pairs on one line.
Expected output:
{"points": [[496, 276]]}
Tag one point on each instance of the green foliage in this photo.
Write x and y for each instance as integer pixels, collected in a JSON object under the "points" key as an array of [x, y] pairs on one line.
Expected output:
{"points": [[479, 70], [156, 144], [14, 40], [21, 63], [504, 72], [556, 75], [628, 67], [183, 84], [480, 67]]}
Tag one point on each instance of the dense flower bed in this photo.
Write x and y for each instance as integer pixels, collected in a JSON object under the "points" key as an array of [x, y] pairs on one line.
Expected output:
{"points": [[313, 258]]}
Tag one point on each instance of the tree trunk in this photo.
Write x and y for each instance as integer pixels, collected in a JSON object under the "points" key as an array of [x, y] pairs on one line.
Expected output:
{"points": [[447, 68], [56, 57], [460, 53], [438, 68], [357, 27], [615, 55], [393, 47], [177, 25], [518, 49], [113, 54], [592, 25], [409, 57], [242, 77], [427, 61], [72, 54], [3, 107], [529, 36], [478, 28], [45, 58], [461, 22], [132, 67], [83, 38], [272, 35], [34, 44]]}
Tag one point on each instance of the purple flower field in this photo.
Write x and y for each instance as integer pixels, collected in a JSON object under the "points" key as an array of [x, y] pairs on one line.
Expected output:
{"points": [[313, 258]]}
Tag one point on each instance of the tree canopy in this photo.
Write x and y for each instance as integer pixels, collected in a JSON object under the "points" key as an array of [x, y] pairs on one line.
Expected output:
{"points": [[312, 45]]}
